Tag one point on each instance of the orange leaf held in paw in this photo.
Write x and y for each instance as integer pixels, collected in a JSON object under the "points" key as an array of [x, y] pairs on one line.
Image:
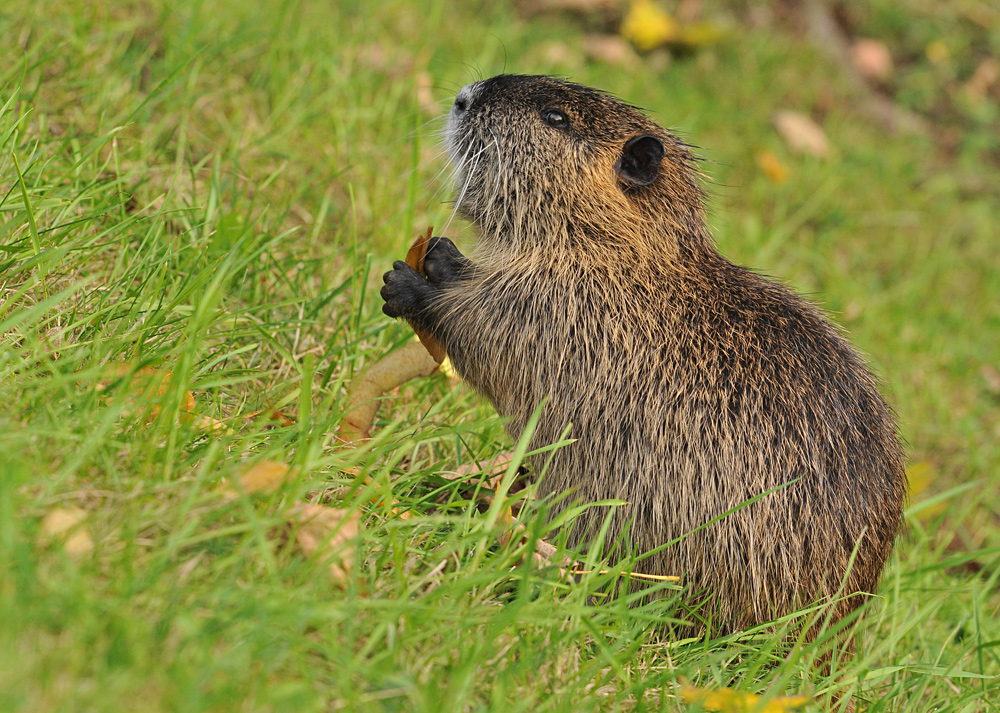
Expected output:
{"points": [[415, 258]]}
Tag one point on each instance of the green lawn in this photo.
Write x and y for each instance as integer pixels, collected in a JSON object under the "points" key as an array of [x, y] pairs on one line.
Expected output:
{"points": [[214, 188]]}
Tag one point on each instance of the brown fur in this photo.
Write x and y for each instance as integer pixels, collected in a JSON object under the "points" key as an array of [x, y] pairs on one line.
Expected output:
{"points": [[691, 384]]}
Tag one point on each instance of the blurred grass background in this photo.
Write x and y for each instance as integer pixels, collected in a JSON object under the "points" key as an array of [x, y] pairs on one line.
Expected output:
{"points": [[214, 188]]}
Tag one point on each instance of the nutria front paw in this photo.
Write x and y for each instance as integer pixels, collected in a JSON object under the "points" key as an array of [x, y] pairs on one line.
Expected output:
{"points": [[444, 264], [406, 293]]}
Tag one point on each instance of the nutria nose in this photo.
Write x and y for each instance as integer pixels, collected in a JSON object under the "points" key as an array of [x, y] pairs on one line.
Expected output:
{"points": [[463, 100]]}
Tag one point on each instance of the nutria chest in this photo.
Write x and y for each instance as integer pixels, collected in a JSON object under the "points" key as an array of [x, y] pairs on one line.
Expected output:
{"points": [[690, 384]]}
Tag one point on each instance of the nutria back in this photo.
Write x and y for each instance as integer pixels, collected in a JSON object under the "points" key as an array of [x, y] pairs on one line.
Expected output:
{"points": [[690, 384]]}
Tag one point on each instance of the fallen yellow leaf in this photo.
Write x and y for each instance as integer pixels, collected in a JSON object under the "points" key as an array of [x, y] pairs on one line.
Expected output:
{"points": [[937, 52], [65, 524], [919, 477], [449, 370], [729, 700], [697, 34], [212, 425], [328, 532], [647, 25]]}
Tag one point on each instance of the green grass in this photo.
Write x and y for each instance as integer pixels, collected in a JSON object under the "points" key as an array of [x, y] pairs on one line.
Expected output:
{"points": [[214, 188]]}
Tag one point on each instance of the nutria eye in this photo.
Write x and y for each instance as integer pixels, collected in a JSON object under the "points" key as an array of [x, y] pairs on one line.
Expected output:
{"points": [[554, 117]]}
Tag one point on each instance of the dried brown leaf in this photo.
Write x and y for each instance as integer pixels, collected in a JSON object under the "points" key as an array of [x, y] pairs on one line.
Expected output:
{"points": [[417, 253], [327, 532], [987, 74], [610, 49], [212, 425], [496, 467], [66, 525], [425, 94], [802, 134], [991, 377], [872, 59]]}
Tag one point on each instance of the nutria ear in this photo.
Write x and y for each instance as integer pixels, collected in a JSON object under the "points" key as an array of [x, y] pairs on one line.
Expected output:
{"points": [[639, 164]]}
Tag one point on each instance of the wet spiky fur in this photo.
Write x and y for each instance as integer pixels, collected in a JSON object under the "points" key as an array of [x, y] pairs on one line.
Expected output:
{"points": [[691, 384]]}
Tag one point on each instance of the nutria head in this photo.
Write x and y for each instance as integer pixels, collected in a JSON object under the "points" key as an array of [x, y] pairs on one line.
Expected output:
{"points": [[541, 161]]}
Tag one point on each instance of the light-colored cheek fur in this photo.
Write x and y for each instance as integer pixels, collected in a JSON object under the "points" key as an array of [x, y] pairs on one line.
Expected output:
{"points": [[690, 384]]}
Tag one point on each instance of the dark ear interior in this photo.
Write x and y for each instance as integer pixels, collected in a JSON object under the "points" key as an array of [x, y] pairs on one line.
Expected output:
{"points": [[639, 164]]}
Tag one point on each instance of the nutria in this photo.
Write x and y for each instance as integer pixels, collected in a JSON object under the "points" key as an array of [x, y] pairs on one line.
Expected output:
{"points": [[690, 384]]}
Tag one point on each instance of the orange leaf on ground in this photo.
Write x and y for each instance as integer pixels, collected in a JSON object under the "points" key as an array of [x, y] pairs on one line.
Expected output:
{"points": [[146, 383], [772, 167], [261, 478], [271, 414]]}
